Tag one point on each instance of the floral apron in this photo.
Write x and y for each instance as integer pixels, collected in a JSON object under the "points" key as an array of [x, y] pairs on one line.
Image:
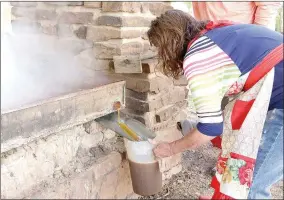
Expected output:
{"points": [[244, 118]]}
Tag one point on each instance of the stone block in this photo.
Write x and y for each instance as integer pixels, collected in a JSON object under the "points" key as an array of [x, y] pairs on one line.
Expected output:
{"points": [[76, 18], [23, 4], [150, 66], [86, 59], [81, 186], [108, 187], [48, 28], [158, 8], [124, 185], [132, 7], [103, 33], [59, 113], [154, 83], [182, 81], [120, 20], [145, 7], [127, 64], [153, 120], [167, 114], [116, 47], [109, 134], [107, 164], [33, 14], [132, 32], [91, 140], [66, 3], [138, 95], [93, 4], [158, 101], [25, 12], [72, 30], [168, 135], [33, 163]]}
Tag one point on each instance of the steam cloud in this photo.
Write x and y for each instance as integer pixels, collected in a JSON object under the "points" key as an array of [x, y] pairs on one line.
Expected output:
{"points": [[36, 67]]}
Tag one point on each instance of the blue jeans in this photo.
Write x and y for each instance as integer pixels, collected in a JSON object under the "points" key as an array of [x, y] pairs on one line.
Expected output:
{"points": [[269, 162]]}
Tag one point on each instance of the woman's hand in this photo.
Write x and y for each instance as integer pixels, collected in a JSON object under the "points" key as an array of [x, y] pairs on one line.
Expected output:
{"points": [[190, 141], [163, 150]]}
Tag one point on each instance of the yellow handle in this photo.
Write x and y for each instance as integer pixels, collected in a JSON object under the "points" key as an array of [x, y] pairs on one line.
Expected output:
{"points": [[128, 131]]}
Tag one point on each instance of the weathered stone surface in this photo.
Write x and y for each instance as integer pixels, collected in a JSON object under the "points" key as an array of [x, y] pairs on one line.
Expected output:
{"points": [[128, 21], [133, 32], [81, 185], [72, 30], [163, 99], [138, 95], [108, 187], [127, 64], [93, 4], [91, 140], [106, 164], [132, 7], [147, 83], [103, 33], [28, 166], [31, 28], [106, 50], [76, 18], [23, 12], [86, 59], [182, 81], [168, 135], [45, 14], [23, 4], [124, 185], [150, 66], [61, 113], [66, 3], [154, 121], [158, 8], [145, 7], [33, 14], [109, 134], [48, 28]]}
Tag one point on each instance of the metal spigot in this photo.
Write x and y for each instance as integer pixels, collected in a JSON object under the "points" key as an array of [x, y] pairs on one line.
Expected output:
{"points": [[117, 105]]}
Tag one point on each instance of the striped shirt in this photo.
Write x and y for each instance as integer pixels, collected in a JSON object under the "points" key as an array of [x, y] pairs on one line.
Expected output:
{"points": [[210, 73]]}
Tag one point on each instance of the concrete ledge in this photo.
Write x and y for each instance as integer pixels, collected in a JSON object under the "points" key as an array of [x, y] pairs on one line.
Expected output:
{"points": [[21, 126]]}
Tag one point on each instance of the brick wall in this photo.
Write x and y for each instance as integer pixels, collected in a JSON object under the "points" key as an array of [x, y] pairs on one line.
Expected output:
{"points": [[86, 160]]}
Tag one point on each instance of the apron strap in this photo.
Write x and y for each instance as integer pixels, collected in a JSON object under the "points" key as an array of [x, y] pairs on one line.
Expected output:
{"points": [[262, 68]]}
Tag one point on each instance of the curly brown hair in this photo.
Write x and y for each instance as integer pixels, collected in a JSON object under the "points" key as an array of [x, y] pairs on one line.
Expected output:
{"points": [[171, 33]]}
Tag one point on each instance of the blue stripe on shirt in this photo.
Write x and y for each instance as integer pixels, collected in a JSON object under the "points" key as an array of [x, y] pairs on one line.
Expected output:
{"points": [[210, 129]]}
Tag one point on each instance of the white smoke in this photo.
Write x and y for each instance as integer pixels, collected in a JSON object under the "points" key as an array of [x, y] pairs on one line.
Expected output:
{"points": [[36, 67]]}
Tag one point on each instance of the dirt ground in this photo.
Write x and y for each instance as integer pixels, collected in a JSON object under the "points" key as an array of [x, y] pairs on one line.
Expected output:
{"points": [[194, 179]]}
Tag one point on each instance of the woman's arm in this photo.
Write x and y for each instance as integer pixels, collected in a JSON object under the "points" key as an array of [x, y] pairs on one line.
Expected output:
{"points": [[192, 140]]}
